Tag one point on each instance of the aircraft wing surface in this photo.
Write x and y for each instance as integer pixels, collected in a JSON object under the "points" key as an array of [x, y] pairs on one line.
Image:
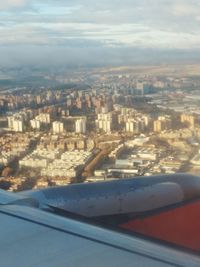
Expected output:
{"points": [[30, 237]]}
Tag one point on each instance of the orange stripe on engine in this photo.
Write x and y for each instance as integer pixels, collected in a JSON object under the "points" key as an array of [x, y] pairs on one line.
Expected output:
{"points": [[180, 226]]}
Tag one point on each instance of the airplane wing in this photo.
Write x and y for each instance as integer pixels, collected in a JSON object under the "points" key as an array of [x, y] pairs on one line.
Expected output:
{"points": [[30, 237], [164, 207]]}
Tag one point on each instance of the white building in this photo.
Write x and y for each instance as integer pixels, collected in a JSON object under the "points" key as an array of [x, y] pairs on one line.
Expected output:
{"points": [[58, 127], [16, 122], [107, 126], [80, 126], [104, 116], [35, 124], [105, 121], [44, 118], [32, 162], [135, 125], [18, 125], [10, 122]]}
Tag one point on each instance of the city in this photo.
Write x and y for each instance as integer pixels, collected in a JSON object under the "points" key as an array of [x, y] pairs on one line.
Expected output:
{"points": [[109, 124]]}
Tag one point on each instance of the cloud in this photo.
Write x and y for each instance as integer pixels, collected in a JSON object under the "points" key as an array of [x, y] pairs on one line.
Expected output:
{"points": [[185, 9], [9, 4], [99, 26]]}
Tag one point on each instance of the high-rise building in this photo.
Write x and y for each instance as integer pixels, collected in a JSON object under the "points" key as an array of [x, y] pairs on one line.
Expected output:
{"points": [[35, 124], [163, 123], [18, 125], [80, 126], [105, 122], [44, 118], [58, 127], [38, 99], [135, 125], [107, 126], [188, 119], [146, 119], [157, 126], [10, 122]]}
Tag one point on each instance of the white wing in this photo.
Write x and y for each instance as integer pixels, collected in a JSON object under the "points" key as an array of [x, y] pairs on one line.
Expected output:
{"points": [[30, 237]]}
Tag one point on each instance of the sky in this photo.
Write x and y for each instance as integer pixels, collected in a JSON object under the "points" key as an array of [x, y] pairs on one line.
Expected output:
{"points": [[54, 32]]}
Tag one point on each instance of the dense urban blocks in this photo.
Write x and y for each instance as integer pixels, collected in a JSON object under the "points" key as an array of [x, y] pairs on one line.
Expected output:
{"points": [[120, 124]]}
